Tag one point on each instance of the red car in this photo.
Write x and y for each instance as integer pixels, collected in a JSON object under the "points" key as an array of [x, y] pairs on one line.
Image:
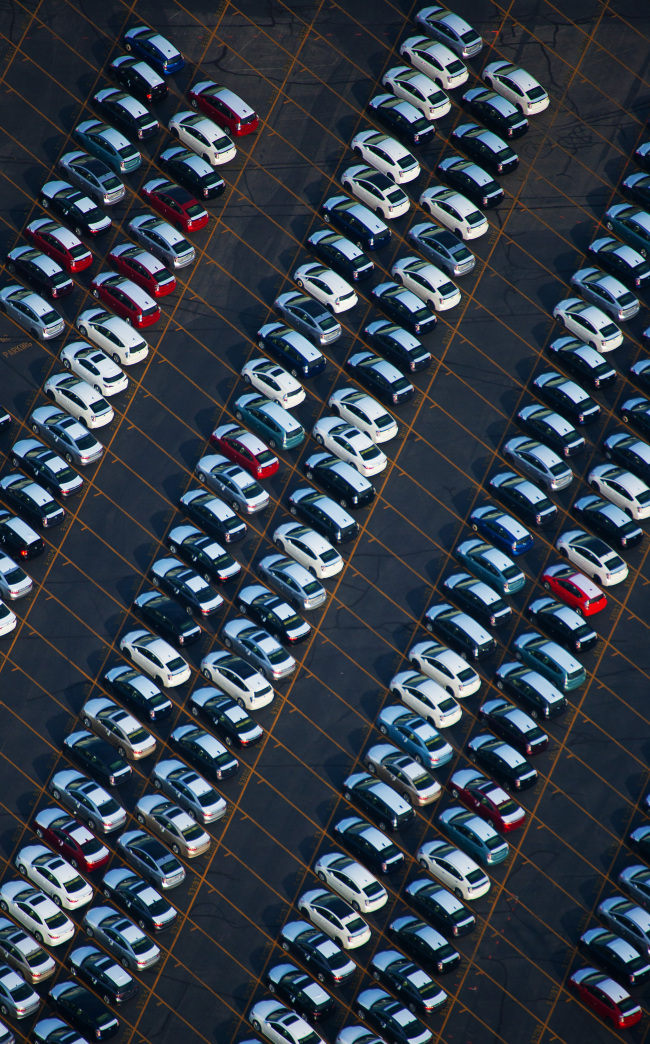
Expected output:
{"points": [[487, 799], [574, 588], [60, 244], [126, 298], [71, 839], [175, 204], [143, 268], [245, 449], [224, 107], [606, 997]]}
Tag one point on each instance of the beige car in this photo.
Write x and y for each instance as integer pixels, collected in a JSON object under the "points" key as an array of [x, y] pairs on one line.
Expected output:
{"points": [[403, 773], [120, 729], [172, 825]]}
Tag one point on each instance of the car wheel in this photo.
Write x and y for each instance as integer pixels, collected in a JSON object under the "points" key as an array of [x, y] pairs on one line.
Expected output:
{"points": [[15, 462], [534, 713], [116, 357], [383, 825], [125, 962], [239, 415], [107, 892], [463, 655], [89, 932], [429, 626], [228, 741], [86, 721], [294, 372], [106, 997], [176, 849], [206, 673], [500, 685], [36, 333], [372, 769], [45, 203], [78, 231], [319, 440], [74, 863], [139, 817], [293, 509], [35, 429], [285, 944], [22, 869], [273, 444], [449, 689], [228, 643], [458, 892], [189, 610], [3, 906], [91, 822], [326, 218], [343, 502], [57, 900], [11, 266], [299, 283], [195, 712], [255, 1024], [472, 756], [517, 654], [270, 987]]}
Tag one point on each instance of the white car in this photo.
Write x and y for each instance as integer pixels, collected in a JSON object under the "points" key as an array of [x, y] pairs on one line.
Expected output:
{"points": [[415, 87], [156, 657], [203, 136], [431, 285], [54, 876], [274, 382], [589, 323], [449, 27], [8, 620], [455, 211], [14, 582], [593, 556], [376, 190], [113, 335], [309, 548], [326, 286], [349, 444], [79, 399], [387, 155], [334, 916], [351, 880], [426, 697], [237, 678], [36, 912], [359, 408], [94, 367], [623, 488], [281, 1025], [454, 869], [517, 85], [435, 60], [446, 667], [124, 732]]}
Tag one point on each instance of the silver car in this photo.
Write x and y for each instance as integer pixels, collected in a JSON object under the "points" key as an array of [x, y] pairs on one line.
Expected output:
{"points": [[292, 580], [233, 483], [189, 789], [92, 176], [173, 825], [87, 800], [538, 462], [151, 859], [122, 937], [120, 729], [404, 774], [607, 292], [308, 317], [450, 29], [259, 647], [67, 435], [14, 582], [31, 311], [163, 240], [17, 999], [22, 952]]}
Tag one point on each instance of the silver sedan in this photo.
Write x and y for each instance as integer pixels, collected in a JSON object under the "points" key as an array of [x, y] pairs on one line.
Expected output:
{"points": [[122, 937], [258, 647], [292, 580], [189, 789], [232, 483], [174, 826]]}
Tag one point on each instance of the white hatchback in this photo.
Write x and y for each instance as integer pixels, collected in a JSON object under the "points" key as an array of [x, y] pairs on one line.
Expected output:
{"points": [[156, 657], [334, 916], [431, 285], [94, 367], [113, 335], [415, 87], [203, 136], [348, 443], [387, 155], [454, 869], [427, 697], [589, 323], [376, 190], [517, 85], [435, 60], [593, 556], [79, 399], [446, 667], [326, 286], [359, 408], [54, 875], [351, 880], [454, 211], [274, 382], [281, 1025], [623, 488], [309, 548], [238, 679]]}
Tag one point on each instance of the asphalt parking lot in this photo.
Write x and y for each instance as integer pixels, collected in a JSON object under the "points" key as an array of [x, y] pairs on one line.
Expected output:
{"points": [[309, 67]]}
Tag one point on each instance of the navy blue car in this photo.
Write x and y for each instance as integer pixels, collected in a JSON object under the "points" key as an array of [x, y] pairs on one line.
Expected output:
{"points": [[292, 349], [154, 48], [501, 529], [358, 222]]}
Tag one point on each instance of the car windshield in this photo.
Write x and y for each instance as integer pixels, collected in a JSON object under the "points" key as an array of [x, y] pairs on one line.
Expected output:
{"points": [[475, 218], [536, 92], [14, 576], [277, 656], [127, 152], [34, 957], [21, 992], [510, 572]]}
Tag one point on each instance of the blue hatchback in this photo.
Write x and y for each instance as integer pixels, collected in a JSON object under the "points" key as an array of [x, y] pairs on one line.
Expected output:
{"points": [[414, 735], [292, 349], [502, 529], [154, 48]]}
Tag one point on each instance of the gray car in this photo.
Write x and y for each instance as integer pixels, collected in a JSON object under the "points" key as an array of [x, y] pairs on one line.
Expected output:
{"points": [[190, 790], [538, 462], [163, 240], [17, 999], [14, 582], [292, 580], [67, 435], [175, 826], [87, 800], [185, 584], [231, 482], [92, 176], [122, 937], [607, 292], [258, 647], [150, 858], [21, 951], [147, 906], [450, 29], [308, 316], [442, 247], [31, 311]]}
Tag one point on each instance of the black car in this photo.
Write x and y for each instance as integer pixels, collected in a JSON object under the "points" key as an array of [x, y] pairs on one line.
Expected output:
{"points": [[424, 943], [536, 693], [125, 112], [566, 396], [369, 844], [138, 899], [396, 1024], [204, 752], [40, 271], [341, 254], [524, 498], [514, 725], [502, 761], [135, 76], [272, 613], [461, 632], [298, 990], [31, 501], [338, 478], [167, 618], [582, 361], [629, 452], [108, 978], [291, 349], [467, 177], [440, 908], [639, 841], [637, 188], [226, 717], [98, 757], [404, 307], [495, 112], [201, 551], [17, 538], [477, 598], [217, 518], [192, 172], [641, 155], [77, 211], [47, 467], [443, 248], [562, 623], [317, 951], [380, 377], [193, 593], [323, 514], [636, 412], [607, 520], [358, 222], [397, 345], [5, 419], [83, 1010], [549, 427], [381, 802], [486, 147], [402, 119], [407, 981], [620, 260], [615, 955], [640, 372], [138, 691]]}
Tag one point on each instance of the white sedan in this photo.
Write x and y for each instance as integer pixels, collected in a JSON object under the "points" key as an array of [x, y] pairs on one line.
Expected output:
{"points": [[623, 488], [79, 399], [593, 556], [427, 697], [274, 382], [358, 408], [348, 443], [36, 912], [8, 620], [415, 87], [376, 190], [54, 875], [351, 880], [309, 548], [203, 136], [334, 916], [238, 679], [156, 657], [589, 323], [386, 154], [431, 285], [113, 335], [455, 211], [326, 286], [454, 869], [281, 1025], [446, 667], [517, 85], [94, 367], [435, 60]]}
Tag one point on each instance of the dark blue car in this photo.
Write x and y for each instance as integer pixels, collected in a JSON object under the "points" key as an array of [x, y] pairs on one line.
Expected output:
{"points": [[501, 529], [154, 48], [292, 349]]}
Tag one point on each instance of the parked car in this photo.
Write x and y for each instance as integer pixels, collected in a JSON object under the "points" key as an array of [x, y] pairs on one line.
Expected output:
{"points": [[188, 789]]}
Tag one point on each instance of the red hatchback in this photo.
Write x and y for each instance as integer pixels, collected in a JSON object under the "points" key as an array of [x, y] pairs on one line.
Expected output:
{"points": [[60, 244], [574, 588], [245, 449], [487, 799], [143, 268], [71, 839], [606, 997], [225, 107], [126, 298], [175, 204]]}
